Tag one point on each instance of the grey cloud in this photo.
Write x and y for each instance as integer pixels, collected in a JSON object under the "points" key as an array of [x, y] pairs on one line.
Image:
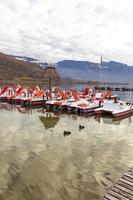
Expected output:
{"points": [[72, 29]]}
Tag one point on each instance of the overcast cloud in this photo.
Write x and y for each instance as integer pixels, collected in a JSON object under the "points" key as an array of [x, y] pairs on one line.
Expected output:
{"points": [[53, 30]]}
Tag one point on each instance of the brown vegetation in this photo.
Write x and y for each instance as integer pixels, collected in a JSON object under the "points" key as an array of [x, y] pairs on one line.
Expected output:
{"points": [[17, 70], [11, 68]]}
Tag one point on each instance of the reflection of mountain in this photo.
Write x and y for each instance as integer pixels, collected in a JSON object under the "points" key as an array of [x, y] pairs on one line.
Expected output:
{"points": [[49, 121]]}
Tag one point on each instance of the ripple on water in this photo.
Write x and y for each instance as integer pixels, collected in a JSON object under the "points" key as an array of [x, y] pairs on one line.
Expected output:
{"points": [[38, 162]]}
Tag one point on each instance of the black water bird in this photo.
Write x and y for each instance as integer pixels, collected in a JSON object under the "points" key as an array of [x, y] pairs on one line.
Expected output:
{"points": [[66, 133], [81, 127]]}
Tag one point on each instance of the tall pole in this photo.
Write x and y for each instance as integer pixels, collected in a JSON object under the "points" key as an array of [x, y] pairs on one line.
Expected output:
{"points": [[50, 86], [101, 63]]}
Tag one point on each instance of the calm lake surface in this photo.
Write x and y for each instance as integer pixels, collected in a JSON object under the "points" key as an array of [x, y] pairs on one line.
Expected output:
{"points": [[39, 162]]}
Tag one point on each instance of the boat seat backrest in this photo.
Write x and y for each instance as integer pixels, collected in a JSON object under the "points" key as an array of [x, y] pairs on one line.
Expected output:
{"points": [[98, 95], [112, 106]]}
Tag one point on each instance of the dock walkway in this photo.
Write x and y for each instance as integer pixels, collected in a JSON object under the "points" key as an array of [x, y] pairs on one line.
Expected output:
{"points": [[123, 189], [123, 89]]}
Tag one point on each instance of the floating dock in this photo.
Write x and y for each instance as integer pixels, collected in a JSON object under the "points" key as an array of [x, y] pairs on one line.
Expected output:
{"points": [[123, 189], [123, 89]]}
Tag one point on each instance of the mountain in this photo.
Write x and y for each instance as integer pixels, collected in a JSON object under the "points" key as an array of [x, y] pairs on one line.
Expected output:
{"points": [[26, 59], [12, 68], [85, 70], [31, 60]]}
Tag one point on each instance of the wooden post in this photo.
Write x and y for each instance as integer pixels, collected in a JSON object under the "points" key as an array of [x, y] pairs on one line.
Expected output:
{"points": [[50, 86], [43, 101]]}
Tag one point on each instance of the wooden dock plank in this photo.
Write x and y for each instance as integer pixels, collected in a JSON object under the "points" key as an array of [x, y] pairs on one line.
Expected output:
{"points": [[110, 197], [104, 198], [126, 181], [127, 178], [122, 192], [123, 189], [125, 185], [130, 172], [117, 195], [128, 175]]}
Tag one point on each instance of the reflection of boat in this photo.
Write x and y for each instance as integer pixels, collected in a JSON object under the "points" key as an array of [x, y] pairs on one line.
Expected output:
{"points": [[107, 120], [119, 109], [122, 118], [49, 121], [6, 106], [29, 110], [21, 110], [32, 102], [11, 107]]}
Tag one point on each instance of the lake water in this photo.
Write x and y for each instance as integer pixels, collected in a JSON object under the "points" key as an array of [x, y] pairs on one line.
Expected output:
{"points": [[39, 162]]}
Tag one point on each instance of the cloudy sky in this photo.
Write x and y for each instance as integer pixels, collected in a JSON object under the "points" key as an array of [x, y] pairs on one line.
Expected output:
{"points": [[53, 30]]}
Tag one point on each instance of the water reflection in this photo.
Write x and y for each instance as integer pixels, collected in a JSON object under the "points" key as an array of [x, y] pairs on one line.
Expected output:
{"points": [[107, 120], [49, 120], [28, 110], [40, 163], [110, 120]]}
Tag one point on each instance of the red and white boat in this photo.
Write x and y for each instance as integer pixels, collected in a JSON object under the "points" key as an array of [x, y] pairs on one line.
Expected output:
{"points": [[119, 109], [35, 97], [27, 96], [19, 94], [34, 100], [75, 103], [6, 92]]}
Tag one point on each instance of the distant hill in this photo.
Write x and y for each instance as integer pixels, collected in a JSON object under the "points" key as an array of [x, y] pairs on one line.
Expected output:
{"points": [[85, 70], [32, 60], [111, 71], [11, 68], [26, 59]]}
